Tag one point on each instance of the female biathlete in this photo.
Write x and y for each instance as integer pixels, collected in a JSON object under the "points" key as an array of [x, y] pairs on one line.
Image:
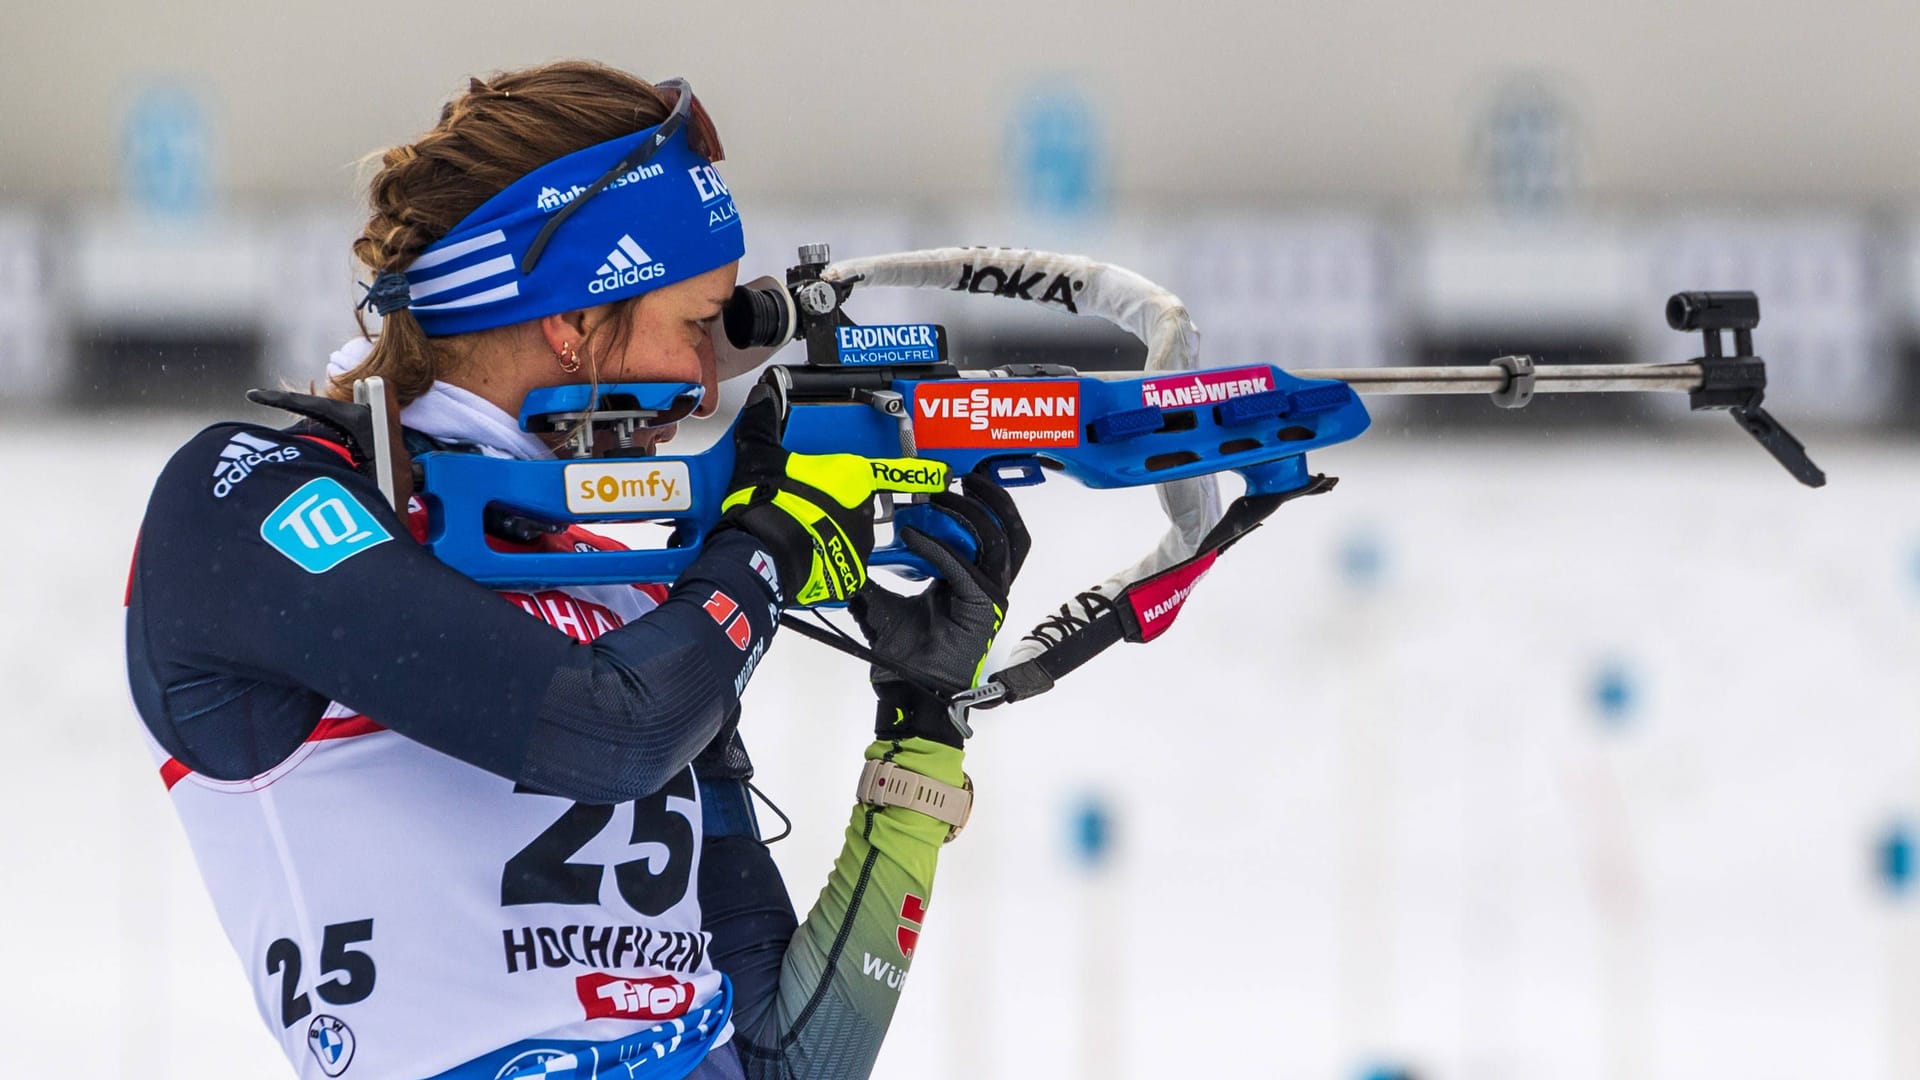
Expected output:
{"points": [[459, 833]]}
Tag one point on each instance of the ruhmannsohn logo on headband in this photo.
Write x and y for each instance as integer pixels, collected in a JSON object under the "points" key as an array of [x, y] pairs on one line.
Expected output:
{"points": [[552, 198], [627, 264]]}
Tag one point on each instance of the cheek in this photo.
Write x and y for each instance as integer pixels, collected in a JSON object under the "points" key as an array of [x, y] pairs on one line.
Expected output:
{"points": [[656, 356], [709, 379]]}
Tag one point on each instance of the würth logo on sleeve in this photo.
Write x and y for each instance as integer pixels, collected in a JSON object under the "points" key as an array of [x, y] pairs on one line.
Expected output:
{"points": [[608, 997], [730, 618], [913, 912], [627, 264]]}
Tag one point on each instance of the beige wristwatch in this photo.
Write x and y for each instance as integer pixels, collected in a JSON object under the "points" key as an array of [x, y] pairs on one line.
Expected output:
{"points": [[882, 783]]}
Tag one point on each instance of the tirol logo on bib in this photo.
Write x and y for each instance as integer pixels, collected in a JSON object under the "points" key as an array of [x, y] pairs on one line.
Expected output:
{"points": [[973, 416], [607, 997]]}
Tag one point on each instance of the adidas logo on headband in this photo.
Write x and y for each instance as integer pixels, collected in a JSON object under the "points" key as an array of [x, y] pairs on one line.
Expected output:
{"points": [[627, 264]]}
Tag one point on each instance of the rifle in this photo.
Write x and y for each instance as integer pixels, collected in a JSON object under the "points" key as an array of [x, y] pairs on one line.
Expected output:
{"points": [[895, 391]]}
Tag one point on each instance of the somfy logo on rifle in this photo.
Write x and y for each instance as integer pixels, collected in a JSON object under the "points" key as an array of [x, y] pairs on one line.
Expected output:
{"points": [[633, 486], [1019, 285]]}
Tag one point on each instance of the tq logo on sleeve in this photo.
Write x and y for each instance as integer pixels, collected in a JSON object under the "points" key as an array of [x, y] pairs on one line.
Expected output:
{"points": [[322, 525]]}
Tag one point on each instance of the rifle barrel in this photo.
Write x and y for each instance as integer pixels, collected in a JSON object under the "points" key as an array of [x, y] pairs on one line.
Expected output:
{"points": [[1487, 379]]}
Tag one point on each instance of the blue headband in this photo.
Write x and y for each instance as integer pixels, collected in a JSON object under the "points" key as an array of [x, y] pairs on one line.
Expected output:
{"points": [[665, 220]]}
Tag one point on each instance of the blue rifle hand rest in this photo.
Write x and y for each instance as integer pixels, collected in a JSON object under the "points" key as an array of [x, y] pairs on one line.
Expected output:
{"points": [[1264, 437]]}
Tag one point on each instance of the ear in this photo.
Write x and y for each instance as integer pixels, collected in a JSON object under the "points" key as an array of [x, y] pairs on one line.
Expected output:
{"points": [[564, 331]]}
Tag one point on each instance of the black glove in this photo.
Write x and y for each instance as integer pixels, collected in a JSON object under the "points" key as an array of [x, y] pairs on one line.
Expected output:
{"points": [[940, 637], [812, 512]]}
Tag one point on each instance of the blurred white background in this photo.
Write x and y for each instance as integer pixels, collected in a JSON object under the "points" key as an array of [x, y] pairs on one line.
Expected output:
{"points": [[1575, 741]]}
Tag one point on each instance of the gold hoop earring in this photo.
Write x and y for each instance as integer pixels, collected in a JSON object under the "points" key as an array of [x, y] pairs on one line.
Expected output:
{"points": [[569, 360]]}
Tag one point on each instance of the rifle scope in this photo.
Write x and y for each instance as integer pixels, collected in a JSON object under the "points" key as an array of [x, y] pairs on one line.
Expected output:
{"points": [[758, 318]]}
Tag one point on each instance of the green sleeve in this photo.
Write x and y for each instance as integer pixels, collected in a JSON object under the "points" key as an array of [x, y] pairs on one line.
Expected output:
{"points": [[848, 961]]}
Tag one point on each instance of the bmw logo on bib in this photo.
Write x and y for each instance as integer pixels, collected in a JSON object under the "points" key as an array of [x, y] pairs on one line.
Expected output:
{"points": [[331, 1041]]}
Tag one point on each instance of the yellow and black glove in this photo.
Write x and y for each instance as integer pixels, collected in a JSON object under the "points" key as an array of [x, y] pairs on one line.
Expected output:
{"points": [[813, 512]]}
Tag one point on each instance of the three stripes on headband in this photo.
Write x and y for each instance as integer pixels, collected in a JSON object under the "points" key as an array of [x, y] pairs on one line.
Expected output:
{"points": [[466, 275]]}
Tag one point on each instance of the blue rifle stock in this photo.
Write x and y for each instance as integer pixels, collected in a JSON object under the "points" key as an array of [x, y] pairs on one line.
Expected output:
{"points": [[890, 391], [1112, 438]]}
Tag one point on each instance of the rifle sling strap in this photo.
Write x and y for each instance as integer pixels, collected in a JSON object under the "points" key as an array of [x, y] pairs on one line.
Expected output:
{"points": [[1144, 609]]}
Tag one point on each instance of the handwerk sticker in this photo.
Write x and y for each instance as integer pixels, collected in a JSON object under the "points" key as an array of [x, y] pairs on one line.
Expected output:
{"points": [[1205, 387]]}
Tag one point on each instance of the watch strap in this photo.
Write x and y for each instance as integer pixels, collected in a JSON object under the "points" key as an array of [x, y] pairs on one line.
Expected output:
{"points": [[883, 783]]}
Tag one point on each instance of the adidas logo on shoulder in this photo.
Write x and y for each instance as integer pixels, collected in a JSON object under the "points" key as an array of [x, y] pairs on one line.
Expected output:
{"points": [[627, 264], [242, 455]]}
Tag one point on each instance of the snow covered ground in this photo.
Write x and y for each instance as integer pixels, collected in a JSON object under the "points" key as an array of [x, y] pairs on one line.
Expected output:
{"points": [[1507, 759]]}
